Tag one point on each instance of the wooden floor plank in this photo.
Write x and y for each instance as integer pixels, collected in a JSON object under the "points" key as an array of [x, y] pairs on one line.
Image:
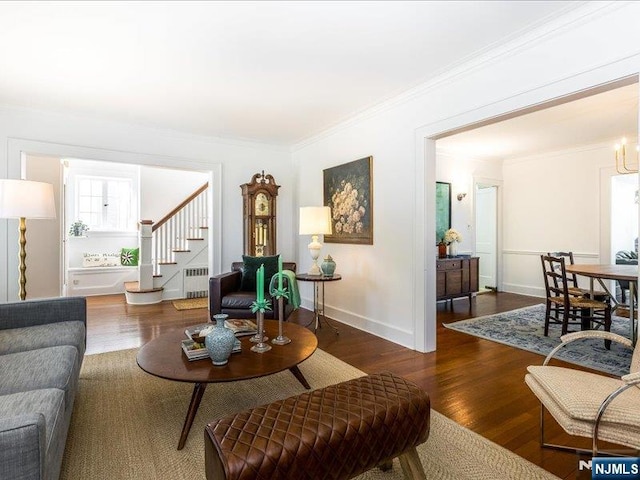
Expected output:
{"points": [[476, 382]]}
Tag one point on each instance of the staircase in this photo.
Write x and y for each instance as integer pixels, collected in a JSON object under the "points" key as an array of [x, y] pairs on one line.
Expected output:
{"points": [[173, 254]]}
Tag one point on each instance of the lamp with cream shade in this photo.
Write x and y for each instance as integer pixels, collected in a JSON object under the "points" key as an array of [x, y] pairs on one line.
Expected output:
{"points": [[315, 221], [24, 199]]}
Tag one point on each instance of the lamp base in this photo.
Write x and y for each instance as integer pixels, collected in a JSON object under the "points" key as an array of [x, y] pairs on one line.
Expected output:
{"points": [[315, 269], [314, 251]]}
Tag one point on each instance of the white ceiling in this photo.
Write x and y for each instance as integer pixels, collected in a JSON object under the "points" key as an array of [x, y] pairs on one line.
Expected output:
{"points": [[275, 72], [601, 118]]}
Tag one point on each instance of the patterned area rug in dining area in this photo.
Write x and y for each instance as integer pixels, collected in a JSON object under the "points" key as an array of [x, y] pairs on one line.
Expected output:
{"points": [[524, 328]]}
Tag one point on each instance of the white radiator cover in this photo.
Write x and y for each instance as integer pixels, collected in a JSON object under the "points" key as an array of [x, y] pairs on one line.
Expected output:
{"points": [[196, 282]]}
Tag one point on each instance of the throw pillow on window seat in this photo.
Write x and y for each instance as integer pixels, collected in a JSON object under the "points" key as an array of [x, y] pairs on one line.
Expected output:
{"points": [[250, 267], [129, 257]]}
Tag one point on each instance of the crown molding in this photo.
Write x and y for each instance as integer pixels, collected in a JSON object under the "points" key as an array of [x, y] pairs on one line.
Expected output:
{"points": [[543, 30]]}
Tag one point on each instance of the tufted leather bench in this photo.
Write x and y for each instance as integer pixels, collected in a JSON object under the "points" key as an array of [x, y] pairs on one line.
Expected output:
{"points": [[337, 432]]}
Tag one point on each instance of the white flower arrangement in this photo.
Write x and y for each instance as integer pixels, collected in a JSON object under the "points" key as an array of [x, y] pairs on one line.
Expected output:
{"points": [[452, 235]]}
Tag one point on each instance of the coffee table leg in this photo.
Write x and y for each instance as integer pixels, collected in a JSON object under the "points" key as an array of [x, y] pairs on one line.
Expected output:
{"points": [[198, 391], [298, 374]]}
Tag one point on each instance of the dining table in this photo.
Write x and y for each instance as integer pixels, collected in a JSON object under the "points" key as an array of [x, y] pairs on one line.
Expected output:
{"points": [[602, 272]]}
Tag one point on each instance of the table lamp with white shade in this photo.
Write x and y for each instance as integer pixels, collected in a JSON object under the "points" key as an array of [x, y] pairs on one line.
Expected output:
{"points": [[315, 221], [24, 199]]}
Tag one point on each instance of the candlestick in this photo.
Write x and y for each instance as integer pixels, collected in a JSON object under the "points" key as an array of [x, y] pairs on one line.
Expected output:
{"points": [[280, 339], [260, 284], [261, 346], [280, 273]]}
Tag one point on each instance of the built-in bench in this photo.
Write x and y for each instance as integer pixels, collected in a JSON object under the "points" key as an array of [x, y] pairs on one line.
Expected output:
{"points": [[85, 281], [336, 432]]}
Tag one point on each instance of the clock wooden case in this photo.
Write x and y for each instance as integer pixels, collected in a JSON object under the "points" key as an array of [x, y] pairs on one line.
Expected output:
{"points": [[259, 215]]}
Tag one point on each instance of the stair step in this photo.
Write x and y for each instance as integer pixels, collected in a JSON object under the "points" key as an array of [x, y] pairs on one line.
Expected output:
{"points": [[192, 239], [134, 287], [167, 263], [178, 250]]}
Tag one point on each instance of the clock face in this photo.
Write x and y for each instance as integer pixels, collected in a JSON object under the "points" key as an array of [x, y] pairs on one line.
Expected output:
{"points": [[262, 204]]}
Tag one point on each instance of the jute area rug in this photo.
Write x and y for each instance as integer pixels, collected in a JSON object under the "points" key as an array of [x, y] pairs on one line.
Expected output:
{"points": [[191, 303], [126, 425]]}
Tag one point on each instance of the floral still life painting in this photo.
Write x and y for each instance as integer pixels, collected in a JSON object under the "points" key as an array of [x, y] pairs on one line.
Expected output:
{"points": [[348, 191]]}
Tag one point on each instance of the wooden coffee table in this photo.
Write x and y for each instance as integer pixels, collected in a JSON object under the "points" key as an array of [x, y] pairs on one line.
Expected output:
{"points": [[163, 357]]}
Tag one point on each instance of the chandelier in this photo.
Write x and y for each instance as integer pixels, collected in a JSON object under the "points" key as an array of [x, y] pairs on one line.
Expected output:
{"points": [[621, 158]]}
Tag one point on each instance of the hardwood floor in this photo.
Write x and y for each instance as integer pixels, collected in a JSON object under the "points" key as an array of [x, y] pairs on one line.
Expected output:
{"points": [[477, 383]]}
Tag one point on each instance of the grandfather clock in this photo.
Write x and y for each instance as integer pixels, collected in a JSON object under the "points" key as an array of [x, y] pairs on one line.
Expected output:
{"points": [[259, 214]]}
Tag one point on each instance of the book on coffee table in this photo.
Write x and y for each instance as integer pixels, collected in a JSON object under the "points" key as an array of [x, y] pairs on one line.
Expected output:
{"points": [[197, 351], [241, 326]]}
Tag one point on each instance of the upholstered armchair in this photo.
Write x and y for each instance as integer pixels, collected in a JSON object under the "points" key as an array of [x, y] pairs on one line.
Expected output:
{"points": [[226, 294], [587, 404]]}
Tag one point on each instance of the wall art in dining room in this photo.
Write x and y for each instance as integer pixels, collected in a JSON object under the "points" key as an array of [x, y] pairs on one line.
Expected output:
{"points": [[348, 191]]}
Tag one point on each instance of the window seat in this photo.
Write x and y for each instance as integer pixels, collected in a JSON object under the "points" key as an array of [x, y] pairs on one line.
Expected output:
{"points": [[85, 281]]}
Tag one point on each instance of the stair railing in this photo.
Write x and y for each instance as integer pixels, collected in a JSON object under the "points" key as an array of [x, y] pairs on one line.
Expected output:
{"points": [[183, 222]]}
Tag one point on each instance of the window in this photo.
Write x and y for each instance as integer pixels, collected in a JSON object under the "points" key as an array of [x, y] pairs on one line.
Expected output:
{"points": [[105, 203]]}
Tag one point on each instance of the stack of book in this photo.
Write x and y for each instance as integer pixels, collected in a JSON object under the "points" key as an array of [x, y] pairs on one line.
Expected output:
{"points": [[197, 350]]}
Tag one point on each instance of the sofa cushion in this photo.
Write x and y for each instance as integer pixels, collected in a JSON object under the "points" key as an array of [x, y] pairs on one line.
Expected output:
{"points": [[53, 367], [48, 402], [41, 336]]}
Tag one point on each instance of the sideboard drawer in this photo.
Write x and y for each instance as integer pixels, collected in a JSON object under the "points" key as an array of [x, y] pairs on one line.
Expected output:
{"points": [[448, 265]]}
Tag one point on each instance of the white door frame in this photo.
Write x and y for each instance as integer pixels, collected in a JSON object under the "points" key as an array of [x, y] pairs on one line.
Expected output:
{"points": [[17, 147], [609, 76]]}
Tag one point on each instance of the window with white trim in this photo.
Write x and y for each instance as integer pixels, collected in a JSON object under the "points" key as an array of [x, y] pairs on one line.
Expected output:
{"points": [[105, 203]]}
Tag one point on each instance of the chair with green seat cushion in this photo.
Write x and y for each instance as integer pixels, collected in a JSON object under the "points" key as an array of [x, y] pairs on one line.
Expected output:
{"points": [[227, 295]]}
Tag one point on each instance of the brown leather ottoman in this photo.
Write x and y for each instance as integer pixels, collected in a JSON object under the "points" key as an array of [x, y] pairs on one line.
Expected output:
{"points": [[337, 432]]}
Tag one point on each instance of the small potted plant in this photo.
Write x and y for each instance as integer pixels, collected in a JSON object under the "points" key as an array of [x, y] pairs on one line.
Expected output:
{"points": [[78, 229]]}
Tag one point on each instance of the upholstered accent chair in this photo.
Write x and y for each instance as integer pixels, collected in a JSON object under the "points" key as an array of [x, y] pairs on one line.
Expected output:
{"points": [[229, 294], [589, 404]]}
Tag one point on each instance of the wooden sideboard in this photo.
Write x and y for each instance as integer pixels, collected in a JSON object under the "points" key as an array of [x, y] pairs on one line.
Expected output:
{"points": [[456, 277]]}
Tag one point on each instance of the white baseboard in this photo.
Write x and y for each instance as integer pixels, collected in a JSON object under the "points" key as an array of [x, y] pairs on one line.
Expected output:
{"points": [[378, 328], [524, 290]]}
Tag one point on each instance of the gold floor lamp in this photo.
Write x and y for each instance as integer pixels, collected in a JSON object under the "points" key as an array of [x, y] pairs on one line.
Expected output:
{"points": [[24, 199]]}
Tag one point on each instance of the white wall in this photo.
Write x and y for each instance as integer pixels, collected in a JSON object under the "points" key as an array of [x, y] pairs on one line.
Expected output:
{"points": [[232, 162], [389, 288], [162, 189], [552, 202]]}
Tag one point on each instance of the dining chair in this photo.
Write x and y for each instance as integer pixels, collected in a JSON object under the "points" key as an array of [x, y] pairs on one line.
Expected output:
{"points": [[567, 309], [587, 404], [572, 279]]}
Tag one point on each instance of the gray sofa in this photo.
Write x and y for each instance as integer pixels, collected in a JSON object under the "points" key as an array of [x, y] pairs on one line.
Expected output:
{"points": [[42, 344]]}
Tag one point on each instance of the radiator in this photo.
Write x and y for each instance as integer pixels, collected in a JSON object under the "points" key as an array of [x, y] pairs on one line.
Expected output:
{"points": [[196, 282]]}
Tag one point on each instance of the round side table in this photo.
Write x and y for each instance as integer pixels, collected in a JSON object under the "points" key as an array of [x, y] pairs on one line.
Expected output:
{"points": [[318, 294]]}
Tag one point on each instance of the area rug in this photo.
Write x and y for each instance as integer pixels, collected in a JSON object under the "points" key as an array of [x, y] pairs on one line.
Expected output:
{"points": [[126, 425], [191, 303], [524, 329]]}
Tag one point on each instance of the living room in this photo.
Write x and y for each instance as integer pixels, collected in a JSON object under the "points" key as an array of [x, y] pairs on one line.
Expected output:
{"points": [[388, 288]]}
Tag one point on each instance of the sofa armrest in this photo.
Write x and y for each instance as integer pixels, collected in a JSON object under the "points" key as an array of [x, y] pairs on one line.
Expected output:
{"points": [[43, 311], [221, 285], [22, 447]]}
